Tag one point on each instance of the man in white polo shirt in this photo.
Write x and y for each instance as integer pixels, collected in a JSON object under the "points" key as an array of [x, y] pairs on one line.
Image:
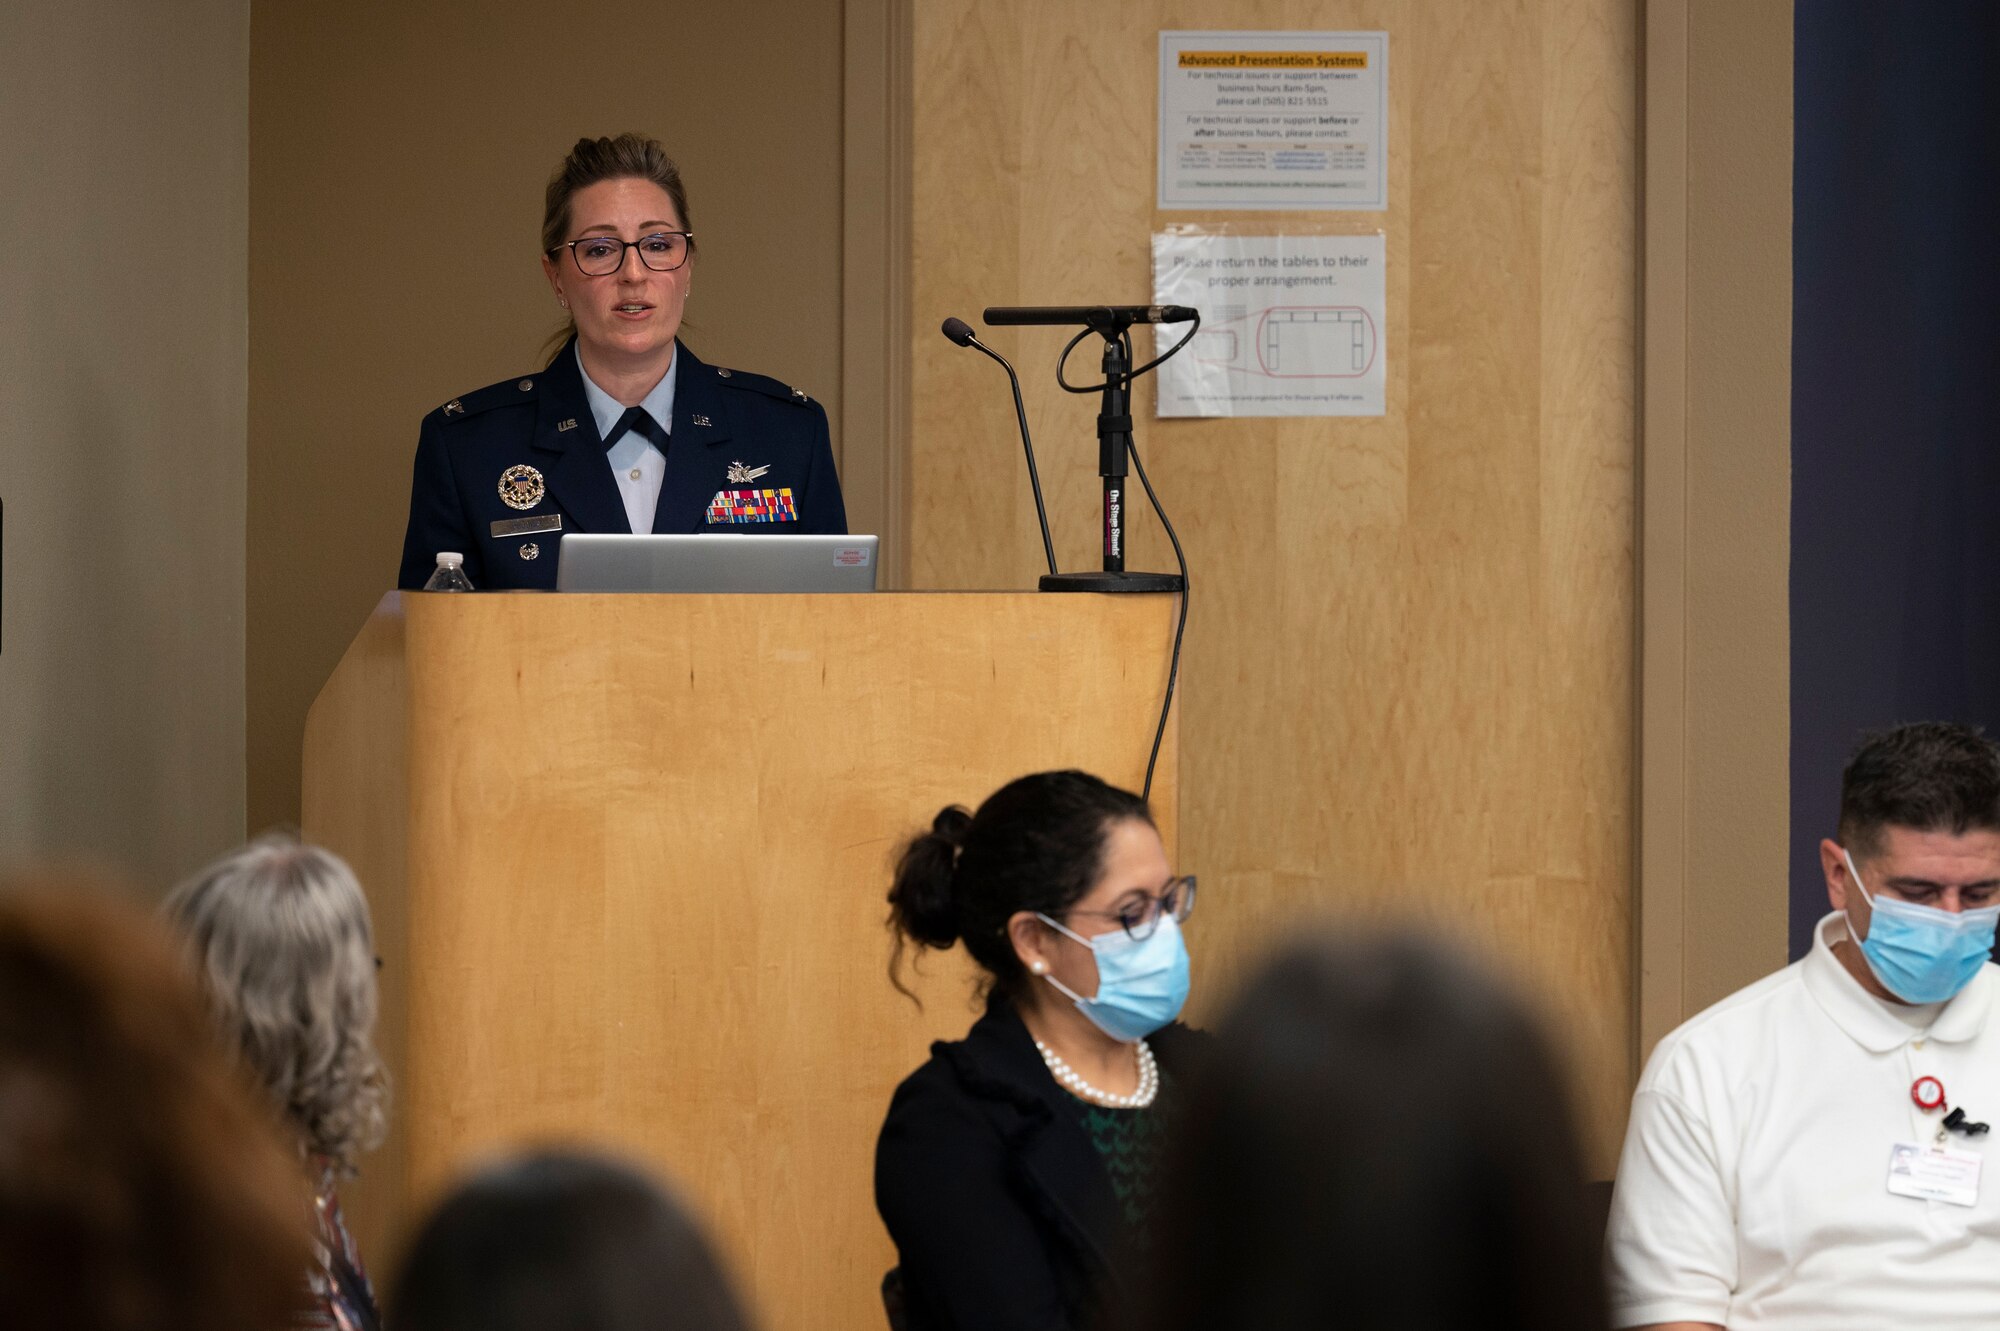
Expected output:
{"points": [[1810, 1152]]}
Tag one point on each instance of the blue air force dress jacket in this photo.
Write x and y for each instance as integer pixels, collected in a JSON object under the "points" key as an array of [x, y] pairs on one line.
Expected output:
{"points": [[502, 474]]}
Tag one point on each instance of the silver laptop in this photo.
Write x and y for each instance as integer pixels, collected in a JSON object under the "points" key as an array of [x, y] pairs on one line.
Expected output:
{"points": [[723, 562]]}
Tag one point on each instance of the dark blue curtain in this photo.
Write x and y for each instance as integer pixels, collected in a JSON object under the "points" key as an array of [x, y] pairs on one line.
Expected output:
{"points": [[1895, 579]]}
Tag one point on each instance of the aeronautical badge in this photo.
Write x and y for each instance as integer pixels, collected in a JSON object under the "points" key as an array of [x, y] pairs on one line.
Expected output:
{"points": [[742, 475], [521, 487]]}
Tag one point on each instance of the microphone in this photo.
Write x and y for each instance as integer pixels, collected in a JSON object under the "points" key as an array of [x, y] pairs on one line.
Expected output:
{"points": [[960, 332], [1095, 316]]}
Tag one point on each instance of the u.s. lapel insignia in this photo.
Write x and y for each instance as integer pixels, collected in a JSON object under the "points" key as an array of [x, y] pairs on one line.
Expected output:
{"points": [[703, 420], [569, 424], [521, 487], [742, 475], [454, 408]]}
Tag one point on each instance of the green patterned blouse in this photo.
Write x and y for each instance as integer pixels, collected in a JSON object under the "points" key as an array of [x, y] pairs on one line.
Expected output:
{"points": [[1128, 1141]]}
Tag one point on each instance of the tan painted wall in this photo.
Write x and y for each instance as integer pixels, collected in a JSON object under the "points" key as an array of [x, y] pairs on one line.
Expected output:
{"points": [[1717, 520], [399, 155], [1409, 671], [122, 312]]}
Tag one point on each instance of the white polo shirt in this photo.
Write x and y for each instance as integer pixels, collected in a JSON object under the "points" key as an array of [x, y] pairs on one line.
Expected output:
{"points": [[1753, 1190]]}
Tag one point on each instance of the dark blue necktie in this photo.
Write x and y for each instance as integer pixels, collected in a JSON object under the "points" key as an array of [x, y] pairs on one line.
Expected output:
{"points": [[641, 422]]}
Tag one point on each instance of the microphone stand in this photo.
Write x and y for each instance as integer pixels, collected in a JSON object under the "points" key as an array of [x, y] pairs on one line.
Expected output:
{"points": [[1114, 442]]}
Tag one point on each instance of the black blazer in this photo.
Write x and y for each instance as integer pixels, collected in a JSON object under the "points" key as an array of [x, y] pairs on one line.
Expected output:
{"points": [[1001, 1211], [535, 439]]}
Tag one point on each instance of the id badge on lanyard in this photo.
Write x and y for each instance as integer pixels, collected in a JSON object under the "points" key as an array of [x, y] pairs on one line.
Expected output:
{"points": [[1937, 1173], [1934, 1173]]}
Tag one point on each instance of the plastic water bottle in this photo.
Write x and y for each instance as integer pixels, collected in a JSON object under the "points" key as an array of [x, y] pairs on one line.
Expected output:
{"points": [[450, 575]]}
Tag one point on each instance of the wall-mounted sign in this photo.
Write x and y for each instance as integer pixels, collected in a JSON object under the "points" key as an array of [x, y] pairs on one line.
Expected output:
{"points": [[1290, 325], [1274, 120]]}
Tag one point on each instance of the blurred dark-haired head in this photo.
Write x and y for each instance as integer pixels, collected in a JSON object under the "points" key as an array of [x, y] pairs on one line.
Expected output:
{"points": [[562, 1242], [1380, 1140], [1036, 844], [141, 1186]]}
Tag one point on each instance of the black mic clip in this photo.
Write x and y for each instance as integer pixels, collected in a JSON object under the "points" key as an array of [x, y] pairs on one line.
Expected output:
{"points": [[1112, 320], [1956, 1121]]}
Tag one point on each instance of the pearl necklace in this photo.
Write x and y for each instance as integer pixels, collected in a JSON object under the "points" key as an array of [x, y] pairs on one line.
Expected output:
{"points": [[1149, 1080]]}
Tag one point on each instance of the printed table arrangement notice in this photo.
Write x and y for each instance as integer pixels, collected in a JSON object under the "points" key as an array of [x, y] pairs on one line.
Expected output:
{"points": [[1290, 325], [1274, 120]]}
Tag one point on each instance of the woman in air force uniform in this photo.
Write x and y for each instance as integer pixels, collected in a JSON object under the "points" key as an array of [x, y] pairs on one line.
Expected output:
{"points": [[625, 430]]}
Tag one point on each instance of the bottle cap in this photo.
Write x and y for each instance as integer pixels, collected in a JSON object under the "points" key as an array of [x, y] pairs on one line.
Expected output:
{"points": [[450, 559]]}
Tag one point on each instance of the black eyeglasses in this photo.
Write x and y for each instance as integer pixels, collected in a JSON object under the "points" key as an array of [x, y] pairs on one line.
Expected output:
{"points": [[600, 256], [1140, 919]]}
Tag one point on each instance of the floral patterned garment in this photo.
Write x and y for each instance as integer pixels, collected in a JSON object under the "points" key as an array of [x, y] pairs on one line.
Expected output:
{"points": [[342, 1299]]}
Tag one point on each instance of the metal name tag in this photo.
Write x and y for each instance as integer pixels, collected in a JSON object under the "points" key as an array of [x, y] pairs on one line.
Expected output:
{"points": [[528, 526]]}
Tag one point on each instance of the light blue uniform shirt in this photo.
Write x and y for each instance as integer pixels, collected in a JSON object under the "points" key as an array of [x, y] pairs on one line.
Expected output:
{"points": [[636, 464]]}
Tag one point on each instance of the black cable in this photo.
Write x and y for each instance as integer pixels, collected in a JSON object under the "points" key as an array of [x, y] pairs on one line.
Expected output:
{"points": [[1130, 375], [1180, 557], [1180, 628]]}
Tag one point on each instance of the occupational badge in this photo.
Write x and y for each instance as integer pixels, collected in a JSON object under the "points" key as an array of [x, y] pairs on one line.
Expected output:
{"points": [[530, 550], [521, 487], [742, 475]]}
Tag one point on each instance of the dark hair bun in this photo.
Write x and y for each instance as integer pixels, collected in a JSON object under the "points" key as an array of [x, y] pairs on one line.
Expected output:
{"points": [[921, 904], [950, 824]]}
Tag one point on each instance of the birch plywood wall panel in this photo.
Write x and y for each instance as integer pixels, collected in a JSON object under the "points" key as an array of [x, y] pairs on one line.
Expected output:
{"points": [[1409, 667]]}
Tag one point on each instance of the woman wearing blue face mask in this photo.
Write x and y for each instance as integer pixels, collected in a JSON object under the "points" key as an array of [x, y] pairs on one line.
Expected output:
{"points": [[1017, 1160]]}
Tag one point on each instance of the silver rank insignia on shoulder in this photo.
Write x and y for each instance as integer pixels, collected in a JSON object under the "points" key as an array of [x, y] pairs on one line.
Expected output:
{"points": [[454, 408], [569, 424], [703, 420], [521, 487], [800, 394], [742, 475]]}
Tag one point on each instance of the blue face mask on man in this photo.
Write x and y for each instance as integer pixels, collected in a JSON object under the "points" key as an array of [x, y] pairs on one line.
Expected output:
{"points": [[1142, 984], [1922, 954]]}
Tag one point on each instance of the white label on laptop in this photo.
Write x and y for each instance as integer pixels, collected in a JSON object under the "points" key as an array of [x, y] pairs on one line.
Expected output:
{"points": [[851, 556], [1934, 1175]]}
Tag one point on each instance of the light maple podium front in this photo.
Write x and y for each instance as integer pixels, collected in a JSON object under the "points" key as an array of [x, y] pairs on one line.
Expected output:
{"points": [[628, 857]]}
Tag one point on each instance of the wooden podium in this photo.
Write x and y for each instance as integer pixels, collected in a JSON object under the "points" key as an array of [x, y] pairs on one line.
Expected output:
{"points": [[628, 858]]}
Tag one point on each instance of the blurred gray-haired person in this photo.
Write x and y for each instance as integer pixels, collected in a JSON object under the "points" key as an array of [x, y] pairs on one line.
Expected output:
{"points": [[281, 938]]}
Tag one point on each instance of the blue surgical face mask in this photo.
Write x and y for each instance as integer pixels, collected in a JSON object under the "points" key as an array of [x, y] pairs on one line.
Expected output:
{"points": [[1141, 983], [1922, 954]]}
